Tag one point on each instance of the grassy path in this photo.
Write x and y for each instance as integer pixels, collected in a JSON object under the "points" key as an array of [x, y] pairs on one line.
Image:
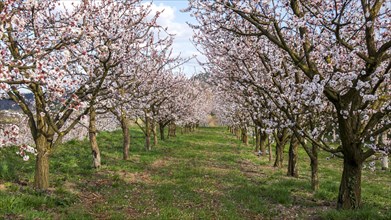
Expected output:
{"points": [[203, 175]]}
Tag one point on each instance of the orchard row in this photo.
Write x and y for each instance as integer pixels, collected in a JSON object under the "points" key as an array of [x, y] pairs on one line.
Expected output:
{"points": [[83, 59], [311, 73]]}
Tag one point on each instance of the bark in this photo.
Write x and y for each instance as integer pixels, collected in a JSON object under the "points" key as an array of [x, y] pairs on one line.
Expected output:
{"points": [[237, 133], [384, 164], [161, 129], [169, 131], [262, 142], [174, 129], [155, 141], [96, 163], [270, 150], [257, 139], [281, 138], [41, 177], [293, 158], [314, 172], [147, 133], [334, 135], [244, 136], [383, 138], [126, 138], [279, 156], [349, 196], [313, 155]]}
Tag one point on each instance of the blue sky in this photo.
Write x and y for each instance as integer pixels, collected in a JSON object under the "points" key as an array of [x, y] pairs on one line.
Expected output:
{"points": [[175, 21]]}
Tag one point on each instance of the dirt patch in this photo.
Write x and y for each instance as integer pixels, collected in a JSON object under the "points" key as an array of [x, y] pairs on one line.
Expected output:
{"points": [[251, 170], [12, 217], [159, 164], [138, 177], [71, 187], [300, 212], [132, 212], [91, 198], [3, 187], [134, 159]]}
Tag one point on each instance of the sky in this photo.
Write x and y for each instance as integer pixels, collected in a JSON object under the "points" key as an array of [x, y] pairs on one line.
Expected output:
{"points": [[175, 21]]}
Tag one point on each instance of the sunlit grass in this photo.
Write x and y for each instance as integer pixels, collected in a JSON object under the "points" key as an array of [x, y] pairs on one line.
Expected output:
{"points": [[207, 174]]}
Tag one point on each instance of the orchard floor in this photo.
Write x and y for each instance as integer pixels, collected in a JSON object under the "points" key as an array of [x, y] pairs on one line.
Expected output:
{"points": [[207, 174]]}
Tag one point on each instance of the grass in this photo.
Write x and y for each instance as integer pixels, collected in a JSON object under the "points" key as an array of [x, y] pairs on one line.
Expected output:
{"points": [[207, 174]]}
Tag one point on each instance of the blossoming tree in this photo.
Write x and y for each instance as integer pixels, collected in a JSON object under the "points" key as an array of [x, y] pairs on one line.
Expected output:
{"points": [[340, 47]]}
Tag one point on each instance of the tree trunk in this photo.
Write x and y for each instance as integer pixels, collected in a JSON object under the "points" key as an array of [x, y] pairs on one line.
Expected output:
{"points": [[262, 142], [349, 196], [161, 129], [93, 142], [244, 136], [314, 173], [155, 141], [126, 138], [237, 133], [281, 138], [270, 150], [279, 156], [174, 129], [293, 158], [41, 177], [334, 135], [257, 139], [147, 133], [384, 164]]}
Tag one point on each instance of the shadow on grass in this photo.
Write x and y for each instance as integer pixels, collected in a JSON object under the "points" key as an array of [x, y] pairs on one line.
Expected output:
{"points": [[193, 176]]}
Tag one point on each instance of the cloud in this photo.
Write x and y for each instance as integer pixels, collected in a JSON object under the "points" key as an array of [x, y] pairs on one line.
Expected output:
{"points": [[176, 24], [168, 18]]}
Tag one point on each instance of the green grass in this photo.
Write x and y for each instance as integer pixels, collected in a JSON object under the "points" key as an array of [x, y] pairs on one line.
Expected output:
{"points": [[207, 174]]}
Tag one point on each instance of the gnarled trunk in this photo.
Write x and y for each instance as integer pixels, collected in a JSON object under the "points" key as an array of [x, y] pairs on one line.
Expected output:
{"points": [[384, 164], [269, 145], [281, 138], [262, 142], [244, 136], [155, 141], [147, 133], [172, 130], [279, 156], [293, 158], [125, 137], [237, 133], [314, 170], [313, 155], [161, 129], [257, 139], [96, 163], [349, 196], [41, 176]]}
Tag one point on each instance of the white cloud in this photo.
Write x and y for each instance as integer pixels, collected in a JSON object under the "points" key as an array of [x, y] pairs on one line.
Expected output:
{"points": [[183, 33], [168, 19]]}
